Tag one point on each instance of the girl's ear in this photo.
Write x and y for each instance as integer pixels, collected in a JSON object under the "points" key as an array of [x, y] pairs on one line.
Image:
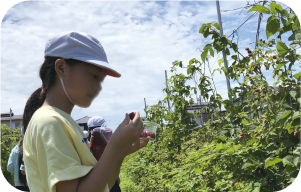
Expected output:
{"points": [[60, 67]]}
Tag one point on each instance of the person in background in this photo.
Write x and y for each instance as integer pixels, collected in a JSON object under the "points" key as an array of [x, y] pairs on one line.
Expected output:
{"points": [[89, 131], [86, 133], [94, 122], [13, 166]]}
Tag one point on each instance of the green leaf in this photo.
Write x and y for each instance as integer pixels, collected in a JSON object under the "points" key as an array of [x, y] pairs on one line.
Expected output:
{"points": [[297, 75], [273, 7], [204, 27], [271, 161], [288, 144], [282, 48], [272, 26], [204, 55], [279, 66], [297, 151], [216, 25], [259, 43], [296, 123], [251, 142], [296, 114], [232, 131], [294, 45], [227, 51], [206, 33], [198, 170], [211, 52], [260, 9], [299, 100], [282, 115], [246, 165], [234, 47], [225, 70], [293, 94], [264, 181], [290, 159], [284, 13], [284, 21], [220, 62], [224, 40], [292, 37]]}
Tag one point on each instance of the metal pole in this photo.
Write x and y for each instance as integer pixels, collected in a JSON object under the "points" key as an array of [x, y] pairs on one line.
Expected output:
{"points": [[167, 87], [224, 51], [10, 117], [10, 128], [145, 106]]}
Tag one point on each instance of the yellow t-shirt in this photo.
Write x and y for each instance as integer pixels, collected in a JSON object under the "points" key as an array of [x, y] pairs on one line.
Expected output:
{"points": [[55, 149]]}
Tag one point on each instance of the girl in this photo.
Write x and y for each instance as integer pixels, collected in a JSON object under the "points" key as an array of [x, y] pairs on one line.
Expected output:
{"points": [[56, 156]]}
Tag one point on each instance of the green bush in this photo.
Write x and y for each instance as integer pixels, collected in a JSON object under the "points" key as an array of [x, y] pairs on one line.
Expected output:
{"points": [[9, 139], [255, 146]]}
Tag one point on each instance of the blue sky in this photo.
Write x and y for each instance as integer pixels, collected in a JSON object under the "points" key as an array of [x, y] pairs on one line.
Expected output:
{"points": [[141, 39]]}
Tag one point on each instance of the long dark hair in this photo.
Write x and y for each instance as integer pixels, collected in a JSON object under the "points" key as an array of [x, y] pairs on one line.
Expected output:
{"points": [[37, 98], [22, 178], [90, 130]]}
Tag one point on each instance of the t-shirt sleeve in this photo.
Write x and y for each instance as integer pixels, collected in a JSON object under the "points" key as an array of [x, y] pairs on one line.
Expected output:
{"points": [[57, 155]]}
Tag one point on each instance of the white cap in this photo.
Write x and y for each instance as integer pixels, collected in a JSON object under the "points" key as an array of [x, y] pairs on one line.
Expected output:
{"points": [[86, 133], [80, 46], [96, 121]]}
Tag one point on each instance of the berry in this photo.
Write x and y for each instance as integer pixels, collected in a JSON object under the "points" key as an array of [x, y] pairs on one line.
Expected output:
{"points": [[255, 131], [262, 55], [143, 134], [296, 134], [250, 78], [274, 57], [259, 171], [249, 51], [263, 41], [250, 54], [260, 131], [256, 90], [233, 184], [132, 115], [181, 139], [247, 48], [242, 134], [241, 179], [255, 67]]}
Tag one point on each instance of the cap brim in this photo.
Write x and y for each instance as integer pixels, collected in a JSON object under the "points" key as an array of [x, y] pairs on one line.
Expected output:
{"points": [[108, 69]]}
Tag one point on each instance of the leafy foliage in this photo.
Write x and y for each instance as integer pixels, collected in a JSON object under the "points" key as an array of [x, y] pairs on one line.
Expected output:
{"points": [[255, 146], [9, 139]]}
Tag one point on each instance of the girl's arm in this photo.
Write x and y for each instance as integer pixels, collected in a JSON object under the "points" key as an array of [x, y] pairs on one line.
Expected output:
{"points": [[97, 179]]}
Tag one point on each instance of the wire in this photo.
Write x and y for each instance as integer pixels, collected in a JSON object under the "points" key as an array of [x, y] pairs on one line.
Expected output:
{"points": [[247, 6], [244, 22]]}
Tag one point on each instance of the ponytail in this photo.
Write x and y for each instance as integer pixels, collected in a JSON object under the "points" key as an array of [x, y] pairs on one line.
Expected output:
{"points": [[22, 178], [37, 98]]}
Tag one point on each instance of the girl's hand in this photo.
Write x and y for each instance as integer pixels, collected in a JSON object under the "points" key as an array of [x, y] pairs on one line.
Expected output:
{"points": [[135, 147]]}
